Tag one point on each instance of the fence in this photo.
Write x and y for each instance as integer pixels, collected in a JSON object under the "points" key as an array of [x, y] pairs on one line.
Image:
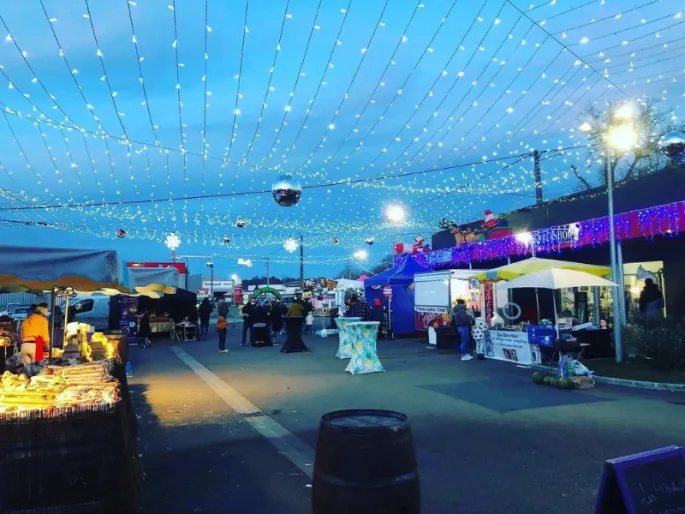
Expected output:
{"points": [[21, 299]]}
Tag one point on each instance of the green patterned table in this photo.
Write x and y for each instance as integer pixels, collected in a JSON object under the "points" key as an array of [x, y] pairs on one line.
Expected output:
{"points": [[345, 346], [364, 357]]}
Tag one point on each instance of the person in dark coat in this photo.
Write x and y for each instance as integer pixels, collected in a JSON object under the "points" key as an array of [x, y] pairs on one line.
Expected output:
{"points": [[205, 311], [247, 313], [378, 315], [651, 301], [359, 308], [144, 331], [462, 322], [276, 320]]}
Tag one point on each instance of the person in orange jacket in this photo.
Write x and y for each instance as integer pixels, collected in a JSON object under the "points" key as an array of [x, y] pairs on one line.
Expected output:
{"points": [[222, 328], [34, 329]]}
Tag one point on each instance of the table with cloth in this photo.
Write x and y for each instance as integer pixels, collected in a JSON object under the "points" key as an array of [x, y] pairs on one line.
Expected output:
{"points": [[345, 345], [364, 358], [293, 330]]}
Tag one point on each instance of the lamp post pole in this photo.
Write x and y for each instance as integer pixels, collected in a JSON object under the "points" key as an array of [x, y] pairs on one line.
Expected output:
{"points": [[618, 344]]}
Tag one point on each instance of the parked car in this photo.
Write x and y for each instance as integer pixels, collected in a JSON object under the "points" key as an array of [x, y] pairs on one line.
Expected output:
{"points": [[93, 310], [20, 313], [10, 307]]}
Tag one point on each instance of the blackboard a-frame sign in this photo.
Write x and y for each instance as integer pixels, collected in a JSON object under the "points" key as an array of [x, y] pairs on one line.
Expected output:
{"points": [[652, 482]]}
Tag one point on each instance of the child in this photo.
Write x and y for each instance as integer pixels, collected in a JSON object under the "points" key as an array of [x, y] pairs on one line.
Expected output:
{"points": [[222, 328], [478, 330], [309, 320]]}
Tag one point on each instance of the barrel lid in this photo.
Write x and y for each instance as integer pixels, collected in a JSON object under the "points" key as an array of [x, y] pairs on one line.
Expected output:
{"points": [[364, 419]]}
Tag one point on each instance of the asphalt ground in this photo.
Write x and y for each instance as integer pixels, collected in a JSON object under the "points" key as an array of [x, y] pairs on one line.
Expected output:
{"points": [[487, 439]]}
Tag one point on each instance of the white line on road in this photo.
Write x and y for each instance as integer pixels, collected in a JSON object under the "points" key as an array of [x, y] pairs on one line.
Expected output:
{"points": [[285, 441]]}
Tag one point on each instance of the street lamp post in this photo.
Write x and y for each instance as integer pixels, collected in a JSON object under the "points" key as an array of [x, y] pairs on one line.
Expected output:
{"points": [[621, 135], [210, 265]]}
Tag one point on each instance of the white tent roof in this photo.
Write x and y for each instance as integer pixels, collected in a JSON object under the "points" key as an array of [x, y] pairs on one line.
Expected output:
{"points": [[555, 278], [345, 283]]}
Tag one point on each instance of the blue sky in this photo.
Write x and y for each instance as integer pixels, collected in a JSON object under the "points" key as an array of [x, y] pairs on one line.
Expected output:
{"points": [[330, 92]]}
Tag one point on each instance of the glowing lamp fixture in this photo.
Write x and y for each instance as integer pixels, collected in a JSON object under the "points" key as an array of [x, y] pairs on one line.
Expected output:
{"points": [[361, 255], [395, 213], [622, 137], [625, 112], [290, 245], [585, 127], [245, 262], [172, 241], [525, 238]]}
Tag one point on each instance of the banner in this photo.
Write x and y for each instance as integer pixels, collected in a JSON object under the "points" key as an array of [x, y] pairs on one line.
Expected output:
{"points": [[128, 317], [511, 346], [488, 302], [427, 316]]}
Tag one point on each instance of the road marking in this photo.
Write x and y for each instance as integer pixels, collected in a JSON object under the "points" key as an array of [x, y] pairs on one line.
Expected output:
{"points": [[285, 441]]}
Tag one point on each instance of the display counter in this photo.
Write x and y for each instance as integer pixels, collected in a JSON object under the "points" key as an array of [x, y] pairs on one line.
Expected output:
{"points": [[162, 326], [69, 432], [512, 346]]}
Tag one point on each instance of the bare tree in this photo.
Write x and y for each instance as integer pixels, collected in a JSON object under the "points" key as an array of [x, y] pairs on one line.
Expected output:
{"points": [[651, 122]]}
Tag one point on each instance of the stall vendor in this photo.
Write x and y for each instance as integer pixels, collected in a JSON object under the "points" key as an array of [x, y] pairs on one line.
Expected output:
{"points": [[34, 329]]}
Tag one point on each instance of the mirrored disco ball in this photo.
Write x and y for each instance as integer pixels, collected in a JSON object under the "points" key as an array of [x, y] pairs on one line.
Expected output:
{"points": [[287, 191], [241, 222], [672, 144]]}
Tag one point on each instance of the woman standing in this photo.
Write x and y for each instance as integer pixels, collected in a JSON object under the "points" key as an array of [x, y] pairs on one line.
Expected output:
{"points": [[144, 331]]}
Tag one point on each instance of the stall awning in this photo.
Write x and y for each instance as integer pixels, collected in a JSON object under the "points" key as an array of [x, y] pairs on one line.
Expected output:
{"points": [[518, 269], [26, 268]]}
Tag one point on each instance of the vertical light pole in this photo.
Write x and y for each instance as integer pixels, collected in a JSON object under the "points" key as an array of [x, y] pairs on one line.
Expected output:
{"points": [[620, 135], [302, 260], [210, 265], [268, 272]]}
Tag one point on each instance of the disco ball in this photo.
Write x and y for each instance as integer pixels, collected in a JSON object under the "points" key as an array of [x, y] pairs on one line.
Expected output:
{"points": [[227, 240], [672, 145], [370, 241], [335, 240], [287, 191], [241, 222], [121, 233]]}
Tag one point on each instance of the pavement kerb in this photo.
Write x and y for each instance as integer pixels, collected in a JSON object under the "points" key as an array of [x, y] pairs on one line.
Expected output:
{"points": [[657, 386]]}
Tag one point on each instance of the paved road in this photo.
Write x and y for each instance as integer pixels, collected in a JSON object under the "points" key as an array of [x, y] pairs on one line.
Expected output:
{"points": [[487, 439]]}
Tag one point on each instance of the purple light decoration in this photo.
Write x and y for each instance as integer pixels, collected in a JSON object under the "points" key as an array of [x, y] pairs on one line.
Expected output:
{"points": [[663, 220]]}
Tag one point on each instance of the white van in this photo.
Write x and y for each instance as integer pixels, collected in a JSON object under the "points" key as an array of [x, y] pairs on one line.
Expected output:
{"points": [[93, 310]]}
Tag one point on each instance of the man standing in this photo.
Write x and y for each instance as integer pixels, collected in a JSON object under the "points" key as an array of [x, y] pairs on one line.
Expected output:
{"points": [[35, 331], [248, 311], [359, 308], [651, 301], [462, 322]]}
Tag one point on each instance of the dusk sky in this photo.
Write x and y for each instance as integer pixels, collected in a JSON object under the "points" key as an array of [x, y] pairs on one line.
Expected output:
{"points": [[155, 116]]}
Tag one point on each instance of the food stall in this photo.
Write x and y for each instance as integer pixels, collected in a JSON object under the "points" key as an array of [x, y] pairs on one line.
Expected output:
{"points": [[512, 339], [435, 294], [67, 427]]}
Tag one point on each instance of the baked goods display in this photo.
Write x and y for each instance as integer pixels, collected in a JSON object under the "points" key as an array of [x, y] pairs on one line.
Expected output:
{"points": [[83, 385]]}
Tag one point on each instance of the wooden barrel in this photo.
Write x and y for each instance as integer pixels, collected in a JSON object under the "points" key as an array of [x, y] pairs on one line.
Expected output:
{"points": [[365, 464]]}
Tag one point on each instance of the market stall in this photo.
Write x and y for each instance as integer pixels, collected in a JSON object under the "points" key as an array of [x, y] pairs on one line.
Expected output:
{"points": [[400, 280], [66, 424], [527, 343]]}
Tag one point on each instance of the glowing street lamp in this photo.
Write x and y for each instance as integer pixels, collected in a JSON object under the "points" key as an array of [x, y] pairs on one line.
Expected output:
{"points": [[395, 213], [622, 137], [361, 255]]}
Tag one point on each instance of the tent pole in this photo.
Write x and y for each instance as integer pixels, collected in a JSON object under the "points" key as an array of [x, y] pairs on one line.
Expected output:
{"points": [[53, 297], [537, 302], [554, 303]]}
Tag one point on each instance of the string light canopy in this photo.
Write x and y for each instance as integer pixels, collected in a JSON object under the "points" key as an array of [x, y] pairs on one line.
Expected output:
{"points": [[151, 118]]}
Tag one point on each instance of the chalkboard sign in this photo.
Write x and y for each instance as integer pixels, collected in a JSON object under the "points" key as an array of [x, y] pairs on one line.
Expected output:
{"points": [[652, 482]]}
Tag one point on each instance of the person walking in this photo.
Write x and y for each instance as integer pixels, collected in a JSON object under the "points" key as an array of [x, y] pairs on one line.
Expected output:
{"points": [[359, 308], [309, 321], [223, 309], [222, 329], [462, 322], [205, 311], [247, 312]]}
